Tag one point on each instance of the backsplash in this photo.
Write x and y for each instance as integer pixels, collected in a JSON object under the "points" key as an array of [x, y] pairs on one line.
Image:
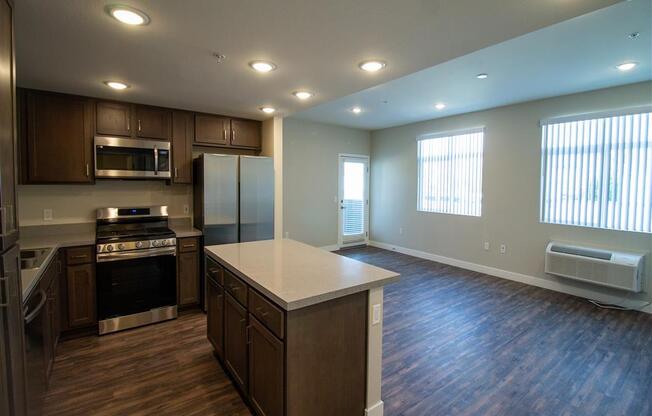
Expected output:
{"points": [[77, 203]]}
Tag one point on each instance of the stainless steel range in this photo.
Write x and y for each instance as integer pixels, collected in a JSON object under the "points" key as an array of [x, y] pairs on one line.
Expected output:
{"points": [[136, 267]]}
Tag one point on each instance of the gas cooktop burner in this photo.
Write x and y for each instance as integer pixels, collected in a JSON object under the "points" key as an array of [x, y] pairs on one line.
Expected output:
{"points": [[132, 224]]}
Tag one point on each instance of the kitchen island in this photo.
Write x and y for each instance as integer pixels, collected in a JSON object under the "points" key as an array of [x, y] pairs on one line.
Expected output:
{"points": [[299, 329]]}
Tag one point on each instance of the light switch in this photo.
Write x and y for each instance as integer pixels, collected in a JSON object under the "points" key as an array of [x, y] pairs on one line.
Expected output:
{"points": [[47, 214], [375, 320]]}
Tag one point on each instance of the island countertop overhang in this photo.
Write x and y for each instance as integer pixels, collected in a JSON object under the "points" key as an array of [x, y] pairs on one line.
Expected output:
{"points": [[295, 275]]}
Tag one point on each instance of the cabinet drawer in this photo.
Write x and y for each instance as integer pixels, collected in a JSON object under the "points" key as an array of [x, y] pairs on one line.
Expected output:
{"points": [[79, 255], [236, 287], [267, 313], [214, 271], [188, 244]]}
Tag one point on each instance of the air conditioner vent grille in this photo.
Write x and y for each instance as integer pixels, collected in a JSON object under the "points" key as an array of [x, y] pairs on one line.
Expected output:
{"points": [[581, 251]]}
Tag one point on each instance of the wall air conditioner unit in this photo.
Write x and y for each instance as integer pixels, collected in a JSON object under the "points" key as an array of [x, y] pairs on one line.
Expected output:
{"points": [[601, 267]]}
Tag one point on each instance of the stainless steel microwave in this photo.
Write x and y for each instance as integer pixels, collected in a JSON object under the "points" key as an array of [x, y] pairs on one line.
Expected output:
{"points": [[119, 157]]}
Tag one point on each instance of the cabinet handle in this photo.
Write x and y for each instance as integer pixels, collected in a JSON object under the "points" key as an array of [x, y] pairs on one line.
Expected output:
{"points": [[139, 128], [128, 124], [262, 312], [248, 332], [234, 288], [176, 172], [233, 135], [79, 256], [88, 171], [224, 133]]}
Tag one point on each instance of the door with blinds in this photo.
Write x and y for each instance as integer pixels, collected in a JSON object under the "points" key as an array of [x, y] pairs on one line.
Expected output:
{"points": [[353, 199]]}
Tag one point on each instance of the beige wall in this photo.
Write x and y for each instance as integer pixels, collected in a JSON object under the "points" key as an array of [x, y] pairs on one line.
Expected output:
{"points": [[77, 203], [310, 164], [510, 210]]}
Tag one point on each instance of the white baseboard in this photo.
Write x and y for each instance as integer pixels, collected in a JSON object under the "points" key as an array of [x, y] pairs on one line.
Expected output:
{"points": [[332, 247], [376, 410], [557, 286]]}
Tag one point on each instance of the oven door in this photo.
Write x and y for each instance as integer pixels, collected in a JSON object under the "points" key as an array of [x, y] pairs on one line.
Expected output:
{"points": [[136, 286], [117, 157]]}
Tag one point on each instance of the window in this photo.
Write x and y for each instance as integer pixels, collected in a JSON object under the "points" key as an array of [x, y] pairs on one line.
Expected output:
{"points": [[597, 172], [449, 168]]}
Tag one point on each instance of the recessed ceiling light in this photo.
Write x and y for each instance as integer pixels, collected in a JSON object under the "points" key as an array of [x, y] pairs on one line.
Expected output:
{"points": [[634, 35], [116, 85], [372, 66], [626, 66], [356, 110], [262, 66], [303, 95], [440, 106], [127, 15], [267, 109], [482, 76]]}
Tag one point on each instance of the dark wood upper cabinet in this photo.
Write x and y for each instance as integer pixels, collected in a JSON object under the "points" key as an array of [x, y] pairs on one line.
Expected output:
{"points": [[152, 122], [58, 139], [114, 118], [182, 135], [215, 316], [235, 340], [266, 364], [212, 130], [246, 133]]}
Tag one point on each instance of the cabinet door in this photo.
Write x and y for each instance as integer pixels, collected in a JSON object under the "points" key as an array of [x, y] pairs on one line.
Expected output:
{"points": [[188, 275], [246, 133], [182, 134], [235, 341], [113, 118], [212, 130], [59, 138], [153, 123], [81, 295], [215, 316], [265, 370]]}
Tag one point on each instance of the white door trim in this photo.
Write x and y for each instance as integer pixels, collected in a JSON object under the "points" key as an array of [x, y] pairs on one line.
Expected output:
{"points": [[341, 157]]}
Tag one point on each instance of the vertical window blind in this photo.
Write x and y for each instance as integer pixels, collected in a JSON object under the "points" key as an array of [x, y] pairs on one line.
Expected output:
{"points": [[597, 172], [449, 168]]}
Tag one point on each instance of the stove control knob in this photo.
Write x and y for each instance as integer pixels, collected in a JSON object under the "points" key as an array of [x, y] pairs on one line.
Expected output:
{"points": [[156, 243], [120, 246], [139, 244], [164, 243], [109, 248]]}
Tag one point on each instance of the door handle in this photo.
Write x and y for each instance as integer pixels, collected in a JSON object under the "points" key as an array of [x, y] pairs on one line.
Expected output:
{"points": [[30, 317]]}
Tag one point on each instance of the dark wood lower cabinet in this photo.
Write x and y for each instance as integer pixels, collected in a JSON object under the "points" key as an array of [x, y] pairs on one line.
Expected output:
{"points": [[309, 361], [188, 275], [235, 341], [266, 364], [215, 316], [80, 279], [52, 327]]}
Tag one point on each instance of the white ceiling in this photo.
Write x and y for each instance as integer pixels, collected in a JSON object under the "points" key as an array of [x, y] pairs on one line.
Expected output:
{"points": [[73, 45], [572, 56]]}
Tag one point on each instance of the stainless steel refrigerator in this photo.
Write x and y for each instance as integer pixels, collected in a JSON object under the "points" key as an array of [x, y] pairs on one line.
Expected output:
{"points": [[233, 198], [12, 351]]}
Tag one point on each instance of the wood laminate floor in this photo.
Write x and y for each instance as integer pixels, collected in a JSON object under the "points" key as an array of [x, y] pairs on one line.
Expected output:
{"points": [[456, 343]]}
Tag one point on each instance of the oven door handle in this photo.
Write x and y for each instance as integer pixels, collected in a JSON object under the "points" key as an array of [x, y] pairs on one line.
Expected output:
{"points": [[136, 254], [31, 315]]}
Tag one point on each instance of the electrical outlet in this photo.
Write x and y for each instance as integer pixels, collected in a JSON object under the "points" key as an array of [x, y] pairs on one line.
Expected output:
{"points": [[186, 209], [400, 230], [287, 234], [503, 249], [47, 214], [486, 246], [375, 320]]}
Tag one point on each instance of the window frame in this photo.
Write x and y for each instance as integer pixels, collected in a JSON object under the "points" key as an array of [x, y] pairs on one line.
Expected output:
{"points": [[543, 181], [452, 133]]}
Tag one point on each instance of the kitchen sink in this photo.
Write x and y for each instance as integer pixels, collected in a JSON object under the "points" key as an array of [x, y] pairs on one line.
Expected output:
{"points": [[33, 259]]}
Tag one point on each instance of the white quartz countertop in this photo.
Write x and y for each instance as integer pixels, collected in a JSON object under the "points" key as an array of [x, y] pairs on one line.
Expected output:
{"points": [[295, 275]]}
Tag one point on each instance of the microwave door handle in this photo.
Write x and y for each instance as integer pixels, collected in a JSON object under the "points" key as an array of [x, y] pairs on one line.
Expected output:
{"points": [[155, 160]]}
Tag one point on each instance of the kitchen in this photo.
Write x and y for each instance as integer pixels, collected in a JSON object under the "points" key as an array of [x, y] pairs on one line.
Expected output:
{"points": [[255, 208]]}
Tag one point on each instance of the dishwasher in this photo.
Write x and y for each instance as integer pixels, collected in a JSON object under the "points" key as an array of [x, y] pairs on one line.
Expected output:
{"points": [[35, 367]]}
